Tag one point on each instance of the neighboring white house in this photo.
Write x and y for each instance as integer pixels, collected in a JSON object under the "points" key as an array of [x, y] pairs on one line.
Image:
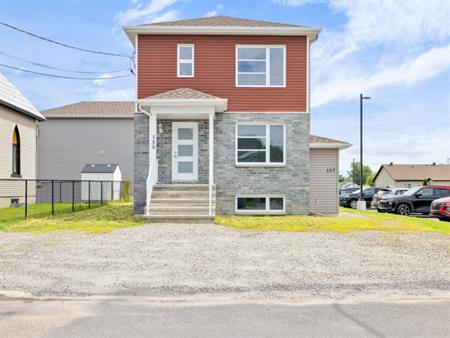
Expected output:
{"points": [[17, 145], [101, 182]]}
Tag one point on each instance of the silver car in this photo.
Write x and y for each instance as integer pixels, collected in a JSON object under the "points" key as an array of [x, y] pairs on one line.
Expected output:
{"points": [[386, 194]]}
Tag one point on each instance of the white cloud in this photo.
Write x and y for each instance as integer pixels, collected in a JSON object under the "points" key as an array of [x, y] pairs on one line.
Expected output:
{"points": [[383, 43], [149, 12], [292, 3], [347, 84], [119, 94], [171, 15], [211, 13], [214, 12]]}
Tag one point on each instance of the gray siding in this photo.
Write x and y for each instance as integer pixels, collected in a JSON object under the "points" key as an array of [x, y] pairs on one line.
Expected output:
{"points": [[66, 145], [324, 196]]}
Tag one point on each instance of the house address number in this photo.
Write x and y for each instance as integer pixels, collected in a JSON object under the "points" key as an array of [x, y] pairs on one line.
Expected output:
{"points": [[331, 170]]}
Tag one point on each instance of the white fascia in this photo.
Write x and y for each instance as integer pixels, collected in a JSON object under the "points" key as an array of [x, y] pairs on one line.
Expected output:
{"points": [[336, 145], [311, 32]]}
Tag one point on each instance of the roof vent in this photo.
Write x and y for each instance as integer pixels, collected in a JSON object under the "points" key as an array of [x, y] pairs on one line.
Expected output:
{"points": [[392, 163], [434, 163]]}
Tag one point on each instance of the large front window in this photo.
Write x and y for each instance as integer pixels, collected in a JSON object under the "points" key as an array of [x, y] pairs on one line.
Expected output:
{"points": [[260, 66], [260, 144]]}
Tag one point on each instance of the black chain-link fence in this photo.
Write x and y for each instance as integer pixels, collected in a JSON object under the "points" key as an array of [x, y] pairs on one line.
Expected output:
{"points": [[56, 196]]}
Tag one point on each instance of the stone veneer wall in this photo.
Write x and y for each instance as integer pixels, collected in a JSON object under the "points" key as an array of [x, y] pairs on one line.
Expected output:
{"points": [[141, 152], [164, 150], [292, 180]]}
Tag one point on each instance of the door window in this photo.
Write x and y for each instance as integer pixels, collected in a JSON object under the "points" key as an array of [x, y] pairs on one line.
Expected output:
{"points": [[426, 193]]}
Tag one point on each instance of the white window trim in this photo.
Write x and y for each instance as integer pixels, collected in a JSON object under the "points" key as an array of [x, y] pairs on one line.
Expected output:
{"points": [[191, 45], [267, 72], [267, 211], [261, 164]]}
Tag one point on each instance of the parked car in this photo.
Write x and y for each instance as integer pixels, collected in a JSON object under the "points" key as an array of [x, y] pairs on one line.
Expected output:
{"points": [[440, 208], [415, 200], [351, 200], [346, 191], [386, 194]]}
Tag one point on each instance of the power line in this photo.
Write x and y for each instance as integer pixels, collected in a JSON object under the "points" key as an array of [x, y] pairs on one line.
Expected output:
{"points": [[62, 69], [63, 76], [63, 44]]}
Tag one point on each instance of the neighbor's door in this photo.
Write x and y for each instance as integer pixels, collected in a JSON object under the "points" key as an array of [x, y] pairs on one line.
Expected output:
{"points": [[184, 151]]}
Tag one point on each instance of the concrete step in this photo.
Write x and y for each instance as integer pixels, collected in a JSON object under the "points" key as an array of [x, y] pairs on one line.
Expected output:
{"points": [[182, 200], [182, 187], [158, 218], [181, 194]]}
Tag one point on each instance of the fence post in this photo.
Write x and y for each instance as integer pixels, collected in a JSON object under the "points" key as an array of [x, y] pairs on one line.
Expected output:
{"points": [[60, 191], [73, 196], [112, 191], [26, 199], [53, 198], [89, 194], [101, 192]]}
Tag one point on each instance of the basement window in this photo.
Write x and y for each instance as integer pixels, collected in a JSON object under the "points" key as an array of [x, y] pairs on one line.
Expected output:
{"points": [[260, 204]]}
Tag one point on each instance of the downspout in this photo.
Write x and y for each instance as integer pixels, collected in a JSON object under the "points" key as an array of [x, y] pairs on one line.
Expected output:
{"points": [[150, 154]]}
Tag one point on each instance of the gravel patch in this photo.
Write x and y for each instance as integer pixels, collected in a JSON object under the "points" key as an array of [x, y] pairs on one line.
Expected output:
{"points": [[203, 260]]}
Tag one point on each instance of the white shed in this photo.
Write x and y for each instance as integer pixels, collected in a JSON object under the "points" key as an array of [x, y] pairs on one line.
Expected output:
{"points": [[100, 182]]}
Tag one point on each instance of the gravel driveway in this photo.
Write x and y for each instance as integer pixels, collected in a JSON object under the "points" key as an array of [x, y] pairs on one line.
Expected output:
{"points": [[184, 260]]}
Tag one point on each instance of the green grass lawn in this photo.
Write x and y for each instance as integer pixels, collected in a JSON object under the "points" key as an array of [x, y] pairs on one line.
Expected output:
{"points": [[349, 220], [112, 216], [97, 219]]}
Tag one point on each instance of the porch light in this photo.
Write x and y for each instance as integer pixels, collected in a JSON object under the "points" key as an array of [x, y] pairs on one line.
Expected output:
{"points": [[160, 128]]}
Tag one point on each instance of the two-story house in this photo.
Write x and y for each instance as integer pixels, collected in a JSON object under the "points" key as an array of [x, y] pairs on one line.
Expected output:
{"points": [[222, 121]]}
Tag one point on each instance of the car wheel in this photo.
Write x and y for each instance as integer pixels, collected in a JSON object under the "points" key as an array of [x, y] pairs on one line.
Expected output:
{"points": [[404, 209], [353, 204]]}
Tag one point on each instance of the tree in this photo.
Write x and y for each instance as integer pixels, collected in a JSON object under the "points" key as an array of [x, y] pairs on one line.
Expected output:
{"points": [[426, 181], [353, 173], [341, 179]]}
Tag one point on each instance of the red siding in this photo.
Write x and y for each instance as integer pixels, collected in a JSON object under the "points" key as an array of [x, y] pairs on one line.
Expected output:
{"points": [[215, 70]]}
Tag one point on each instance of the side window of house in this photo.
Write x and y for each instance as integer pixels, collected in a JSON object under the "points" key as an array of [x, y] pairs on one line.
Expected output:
{"points": [[185, 60], [16, 152], [260, 144], [260, 66]]}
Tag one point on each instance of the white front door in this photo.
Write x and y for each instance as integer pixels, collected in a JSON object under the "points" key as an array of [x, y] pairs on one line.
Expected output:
{"points": [[184, 151]]}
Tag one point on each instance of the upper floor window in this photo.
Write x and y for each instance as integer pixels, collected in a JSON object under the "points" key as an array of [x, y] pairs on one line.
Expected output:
{"points": [[16, 152], [260, 66], [185, 60], [260, 144]]}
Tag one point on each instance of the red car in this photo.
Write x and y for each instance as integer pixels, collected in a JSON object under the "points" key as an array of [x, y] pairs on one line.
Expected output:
{"points": [[440, 208]]}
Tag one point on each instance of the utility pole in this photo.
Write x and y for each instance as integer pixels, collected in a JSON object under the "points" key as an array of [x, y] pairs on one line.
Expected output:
{"points": [[361, 98]]}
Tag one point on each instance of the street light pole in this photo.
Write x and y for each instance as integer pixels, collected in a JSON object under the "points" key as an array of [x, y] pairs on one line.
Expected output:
{"points": [[361, 168]]}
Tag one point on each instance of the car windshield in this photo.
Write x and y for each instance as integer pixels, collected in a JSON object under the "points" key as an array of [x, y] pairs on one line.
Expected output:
{"points": [[412, 191], [383, 192]]}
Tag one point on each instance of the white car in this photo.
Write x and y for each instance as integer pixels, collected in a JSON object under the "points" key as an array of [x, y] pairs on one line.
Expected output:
{"points": [[386, 194]]}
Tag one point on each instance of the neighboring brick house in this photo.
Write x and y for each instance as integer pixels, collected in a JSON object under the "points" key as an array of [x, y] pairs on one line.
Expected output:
{"points": [[411, 175], [17, 145], [223, 104]]}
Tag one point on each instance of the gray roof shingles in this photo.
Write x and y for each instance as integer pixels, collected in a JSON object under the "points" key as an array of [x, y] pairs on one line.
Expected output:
{"points": [[92, 109], [222, 21]]}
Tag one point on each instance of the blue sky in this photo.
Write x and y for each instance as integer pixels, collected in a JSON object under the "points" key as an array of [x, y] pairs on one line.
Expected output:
{"points": [[397, 52]]}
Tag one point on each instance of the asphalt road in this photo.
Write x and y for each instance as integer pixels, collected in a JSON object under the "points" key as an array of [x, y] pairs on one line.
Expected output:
{"points": [[140, 318]]}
